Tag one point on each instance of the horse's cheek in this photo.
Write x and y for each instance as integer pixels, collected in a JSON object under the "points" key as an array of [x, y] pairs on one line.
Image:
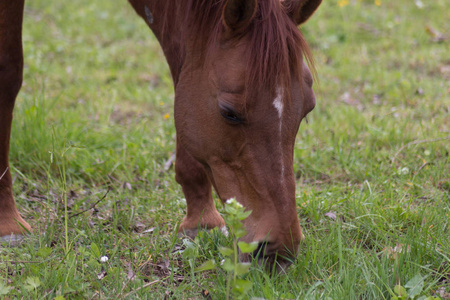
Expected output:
{"points": [[194, 128]]}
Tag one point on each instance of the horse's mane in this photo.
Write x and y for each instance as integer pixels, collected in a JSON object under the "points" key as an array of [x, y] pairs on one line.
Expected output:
{"points": [[276, 45]]}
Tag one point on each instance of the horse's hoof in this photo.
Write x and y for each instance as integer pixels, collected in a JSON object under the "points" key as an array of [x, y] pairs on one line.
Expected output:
{"points": [[11, 240]]}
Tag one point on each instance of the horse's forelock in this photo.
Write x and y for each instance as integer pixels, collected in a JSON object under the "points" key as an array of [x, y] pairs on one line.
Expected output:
{"points": [[277, 50], [275, 44]]}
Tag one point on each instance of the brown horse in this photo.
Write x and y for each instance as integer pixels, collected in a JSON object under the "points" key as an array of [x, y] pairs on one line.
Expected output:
{"points": [[241, 91]]}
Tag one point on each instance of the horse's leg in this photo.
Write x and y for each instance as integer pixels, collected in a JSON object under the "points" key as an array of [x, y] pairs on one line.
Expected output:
{"points": [[11, 67], [201, 211]]}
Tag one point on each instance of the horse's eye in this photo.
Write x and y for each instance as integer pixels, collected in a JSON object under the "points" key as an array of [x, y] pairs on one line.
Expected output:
{"points": [[231, 116]]}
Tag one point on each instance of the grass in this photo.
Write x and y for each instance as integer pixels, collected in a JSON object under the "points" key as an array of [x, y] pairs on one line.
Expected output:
{"points": [[95, 115]]}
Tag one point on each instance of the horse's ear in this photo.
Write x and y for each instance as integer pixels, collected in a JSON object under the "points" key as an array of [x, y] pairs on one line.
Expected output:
{"points": [[300, 10], [238, 14]]}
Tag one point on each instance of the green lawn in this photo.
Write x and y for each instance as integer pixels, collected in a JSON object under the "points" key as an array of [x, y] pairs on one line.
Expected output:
{"points": [[373, 167]]}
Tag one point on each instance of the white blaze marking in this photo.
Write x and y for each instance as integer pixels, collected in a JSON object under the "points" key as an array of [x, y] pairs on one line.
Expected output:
{"points": [[279, 106], [278, 102]]}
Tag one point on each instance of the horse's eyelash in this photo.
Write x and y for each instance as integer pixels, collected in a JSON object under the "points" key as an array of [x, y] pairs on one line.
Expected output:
{"points": [[231, 116]]}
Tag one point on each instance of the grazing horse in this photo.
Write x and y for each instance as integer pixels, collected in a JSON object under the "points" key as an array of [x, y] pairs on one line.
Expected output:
{"points": [[242, 88]]}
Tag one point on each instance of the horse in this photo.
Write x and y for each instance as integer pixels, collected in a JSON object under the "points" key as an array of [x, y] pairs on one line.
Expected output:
{"points": [[242, 73]]}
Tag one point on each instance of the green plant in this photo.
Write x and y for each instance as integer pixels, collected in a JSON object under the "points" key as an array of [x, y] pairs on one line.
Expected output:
{"points": [[235, 214], [4, 290], [412, 290], [237, 286]]}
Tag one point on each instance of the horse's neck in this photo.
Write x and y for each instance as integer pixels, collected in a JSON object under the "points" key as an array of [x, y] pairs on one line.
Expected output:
{"points": [[161, 17]]}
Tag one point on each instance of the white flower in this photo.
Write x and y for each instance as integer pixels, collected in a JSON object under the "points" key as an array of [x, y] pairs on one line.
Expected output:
{"points": [[104, 259], [224, 231], [232, 201]]}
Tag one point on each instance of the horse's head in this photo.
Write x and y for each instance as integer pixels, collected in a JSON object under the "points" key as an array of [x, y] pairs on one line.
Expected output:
{"points": [[238, 109]]}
